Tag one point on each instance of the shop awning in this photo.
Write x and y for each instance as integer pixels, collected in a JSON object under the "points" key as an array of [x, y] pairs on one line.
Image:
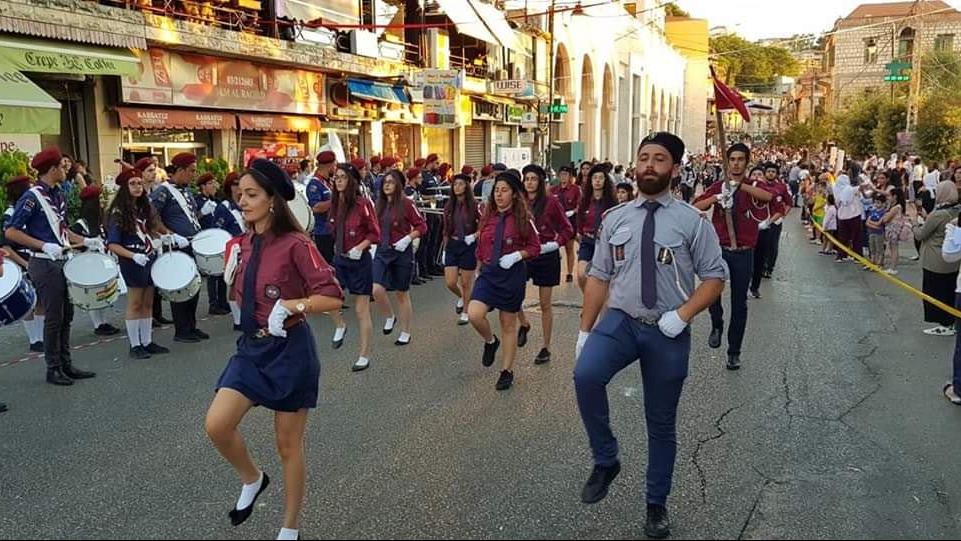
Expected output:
{"points": [[498, 25], [46, 56], [369, 90], [279, 123], [466, 20], [152, 119], [24, 107]]}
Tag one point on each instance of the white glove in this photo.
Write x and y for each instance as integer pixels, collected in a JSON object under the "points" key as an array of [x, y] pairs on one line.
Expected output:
{"points": [[764, 225], [230, 266], [275, 322], [581, 340], [93, 243], [570, 213], [403, 243], [549, 247], [373, 250], [167, 240], [511, 259], [141, 259], [208, 208], [157, 244], [55, 251], [416, 244], [180, 241], [671, 324], [355, 253], [443, 257], [920, 220], [470, 239]]}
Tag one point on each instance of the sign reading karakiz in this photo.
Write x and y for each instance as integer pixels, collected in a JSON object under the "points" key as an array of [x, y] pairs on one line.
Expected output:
{"points": [[132, 117]]}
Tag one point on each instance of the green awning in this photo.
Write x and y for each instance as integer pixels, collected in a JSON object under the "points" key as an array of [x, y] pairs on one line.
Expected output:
{"points": [[57, 57], [24, 107]]}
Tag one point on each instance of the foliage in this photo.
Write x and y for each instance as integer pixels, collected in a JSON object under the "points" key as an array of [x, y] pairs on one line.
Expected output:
{"points": [[750, 65], [938, 136], [941, 73], [891, 118], [809, 134], [870, 125], [73, 205], [673, 10], [218, 167], [11, 164]]}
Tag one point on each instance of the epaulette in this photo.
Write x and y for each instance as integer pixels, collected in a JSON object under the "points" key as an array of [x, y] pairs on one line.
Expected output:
{"points": [[612, 209]]}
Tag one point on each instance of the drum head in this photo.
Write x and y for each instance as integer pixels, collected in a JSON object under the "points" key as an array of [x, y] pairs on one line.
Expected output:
{"points": [[210, 242], [12, 275], [302, 211], [173, 270], [90, 269]]}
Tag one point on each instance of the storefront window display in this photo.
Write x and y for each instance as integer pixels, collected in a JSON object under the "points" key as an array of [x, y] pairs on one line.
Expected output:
{"points": [[399, 142]]}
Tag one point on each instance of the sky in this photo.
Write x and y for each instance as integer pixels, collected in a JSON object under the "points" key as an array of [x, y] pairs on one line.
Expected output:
{"points": [[757, 19]]}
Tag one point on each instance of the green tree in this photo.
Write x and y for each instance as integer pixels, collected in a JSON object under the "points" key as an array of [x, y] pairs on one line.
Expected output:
{"points": [[749, 65], [673, 10], [941, 73], [938, 136], [891, 117], [809, 134]]}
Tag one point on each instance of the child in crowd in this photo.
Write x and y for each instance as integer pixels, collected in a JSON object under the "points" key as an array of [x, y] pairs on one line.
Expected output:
{"points": [[896, 227], [817, 211], [875, 227], [830, 225]]}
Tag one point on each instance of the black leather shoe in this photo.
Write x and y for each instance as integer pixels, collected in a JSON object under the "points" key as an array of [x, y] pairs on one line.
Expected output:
{"points": [[200, 334], [595, 489], [164, 321], [490, 350], [3, 407], [106, 330], [189, 339], [155, 349], [56, 377], [543, 357], [570, 278], [237, 327], [399, 343], [756, 294], [522, 335], [337, 343], [505, 380], [734, 362], [238, 516], [715, 339], [37, 347], [658, 525], [139, 352], [75, 373]]}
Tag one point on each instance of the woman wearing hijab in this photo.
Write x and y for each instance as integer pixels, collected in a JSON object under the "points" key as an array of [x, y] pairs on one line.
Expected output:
{"points": [[850, 210], [939, 276]]}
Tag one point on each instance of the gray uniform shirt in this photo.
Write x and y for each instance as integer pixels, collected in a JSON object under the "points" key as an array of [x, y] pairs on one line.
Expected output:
{"points": [[685, 245]]}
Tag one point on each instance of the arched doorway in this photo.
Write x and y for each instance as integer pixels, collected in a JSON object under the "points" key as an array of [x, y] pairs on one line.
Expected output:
{"points": [[587, 119], [563, 131], [608, 108]]}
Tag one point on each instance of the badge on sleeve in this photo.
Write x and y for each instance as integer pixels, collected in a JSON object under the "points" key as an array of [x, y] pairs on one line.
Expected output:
{"points": [[272, 292]]}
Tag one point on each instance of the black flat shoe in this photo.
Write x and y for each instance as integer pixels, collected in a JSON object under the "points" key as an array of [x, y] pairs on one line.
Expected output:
{"points": [[200, 334], [505, 380], [237, 327], [106, 330], [756, 294], [544, 356], [155, 349], [139, 352], [597, 485], [3, 407], [570, 278], [55, 376], [399, 343], [658, 524], [391, 329], [164, 321], [75, 373], [190, 339], [715, 339], [522, 335], [733, 362], [238, 516], [337, 343], [490, 351], [37, 347]]}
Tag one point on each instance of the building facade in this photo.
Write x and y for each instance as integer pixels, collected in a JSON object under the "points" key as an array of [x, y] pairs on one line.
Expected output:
{"points": [[690, 37]]}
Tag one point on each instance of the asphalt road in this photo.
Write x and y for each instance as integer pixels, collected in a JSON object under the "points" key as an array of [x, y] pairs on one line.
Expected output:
{"points": [[833, 428]]}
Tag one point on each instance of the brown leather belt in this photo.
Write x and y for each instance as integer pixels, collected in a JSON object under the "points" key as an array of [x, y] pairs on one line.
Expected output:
{"points": [[289, 323]]}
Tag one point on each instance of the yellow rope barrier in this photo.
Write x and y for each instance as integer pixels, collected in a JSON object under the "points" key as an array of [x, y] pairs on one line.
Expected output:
{"points": [[893, 279]]}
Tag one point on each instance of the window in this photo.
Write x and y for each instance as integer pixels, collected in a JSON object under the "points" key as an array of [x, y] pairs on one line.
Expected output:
{"points": [[944, 42], [906, 45], [871, 51], [638, 91]]}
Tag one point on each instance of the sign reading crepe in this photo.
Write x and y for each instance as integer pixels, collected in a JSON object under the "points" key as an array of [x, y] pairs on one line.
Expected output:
{"points": [[170, 78]]}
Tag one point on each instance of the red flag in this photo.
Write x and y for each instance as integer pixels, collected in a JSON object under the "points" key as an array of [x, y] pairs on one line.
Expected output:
{"points": [[726, 98]]}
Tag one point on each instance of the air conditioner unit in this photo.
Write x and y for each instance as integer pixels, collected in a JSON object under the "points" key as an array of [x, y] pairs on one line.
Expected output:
{"points": [[391, 51], [364, 43], [316, 36]]}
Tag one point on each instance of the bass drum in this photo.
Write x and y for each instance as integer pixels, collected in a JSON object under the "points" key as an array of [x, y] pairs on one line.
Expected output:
{"points": [[302, 212], [93, 280], [17, 295], [175, 276]]}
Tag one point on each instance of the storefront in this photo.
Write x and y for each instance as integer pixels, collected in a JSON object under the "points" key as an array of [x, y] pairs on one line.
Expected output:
{"points": [[477, 136], [163, 133], [284, 139], [399, 141], [439, 141]]}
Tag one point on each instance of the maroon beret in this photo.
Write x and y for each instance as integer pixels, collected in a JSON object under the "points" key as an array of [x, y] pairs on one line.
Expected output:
{"points": [[431, 158], [183, 160], [231, 179], [467, 170], [143, 163], [444, 168], [45, 159], [374, 160], [90, 192], [326, 157], [205, 178], [388, 161], [487, 170], [124, 177], [412, 173], [420, 162], [359, 163]]}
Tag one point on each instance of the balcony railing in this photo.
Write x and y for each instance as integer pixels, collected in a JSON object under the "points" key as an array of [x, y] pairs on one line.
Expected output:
{"points": [[239, 15], [471, 67]]}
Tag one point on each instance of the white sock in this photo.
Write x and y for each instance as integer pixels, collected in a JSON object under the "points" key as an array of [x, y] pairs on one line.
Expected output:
{"points": [[463, 316], [146, 331], [96, 316], [38, 322], [249, 492], [235, 311], [389, 323], [362, 361], [339, 333], [460, 303], [492, 340], [133, 332], [404, 337], [34, 333], [287, 533]]}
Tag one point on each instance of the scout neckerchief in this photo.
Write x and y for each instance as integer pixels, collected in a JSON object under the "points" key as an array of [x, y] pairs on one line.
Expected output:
{"points": [[235, 212], [179, 198], [57, 226]]}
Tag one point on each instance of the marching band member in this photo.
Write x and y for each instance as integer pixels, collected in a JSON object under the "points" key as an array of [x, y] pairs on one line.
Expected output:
{"points": [[178, 213], [229, 218], [151, 181], [318, 197], [507, 237], [207, 203], [280, 277], [131, 224], [355, 230], [597, 195], [39, 223], [400, 224], [33, 323], [544, 270], [461, 221], [568, 193], [89, 225]]}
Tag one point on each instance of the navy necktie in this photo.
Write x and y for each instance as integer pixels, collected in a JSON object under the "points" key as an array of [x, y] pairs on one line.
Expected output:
{"points": [[648, 264], [499, 238], [248, 317], [598, 215], [459, 220]]}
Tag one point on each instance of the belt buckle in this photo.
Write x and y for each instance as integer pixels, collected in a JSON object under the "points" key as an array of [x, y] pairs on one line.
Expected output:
{"points": [[650, 322], [261, 333]]}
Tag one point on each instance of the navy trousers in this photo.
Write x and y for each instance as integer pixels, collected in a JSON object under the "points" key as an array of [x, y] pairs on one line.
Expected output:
{"points": [[741, 267], [616, 342]]}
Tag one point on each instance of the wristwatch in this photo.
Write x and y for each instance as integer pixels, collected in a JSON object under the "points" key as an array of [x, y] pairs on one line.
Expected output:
{"points": [[301, 307]]}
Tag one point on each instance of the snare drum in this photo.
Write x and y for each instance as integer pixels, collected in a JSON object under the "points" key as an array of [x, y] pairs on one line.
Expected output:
{"points": [[175, 276], [302, 212], [208, 247], [92, 280], [17, 296]]}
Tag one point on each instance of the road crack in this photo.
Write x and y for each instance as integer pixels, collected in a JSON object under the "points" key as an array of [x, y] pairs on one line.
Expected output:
{"points": [[702, 479]]}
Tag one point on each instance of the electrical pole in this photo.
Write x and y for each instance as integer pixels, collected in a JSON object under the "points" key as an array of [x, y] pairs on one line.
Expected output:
{"points": [[814, 89], [914, 92], [550, 84]]}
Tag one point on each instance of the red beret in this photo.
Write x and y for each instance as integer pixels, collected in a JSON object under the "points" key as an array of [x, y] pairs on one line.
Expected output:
{"points": [[45, 159], [487, 170], [231, 179], [183, 160], [326, 157], [412, 173], [359, 163], [467, 170], [420, 162], [374, 160], [90, 192], [444, 168], [18, 179], [143, 163], [205, 178], [124, 177], [388, 161], [431, 158]]}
